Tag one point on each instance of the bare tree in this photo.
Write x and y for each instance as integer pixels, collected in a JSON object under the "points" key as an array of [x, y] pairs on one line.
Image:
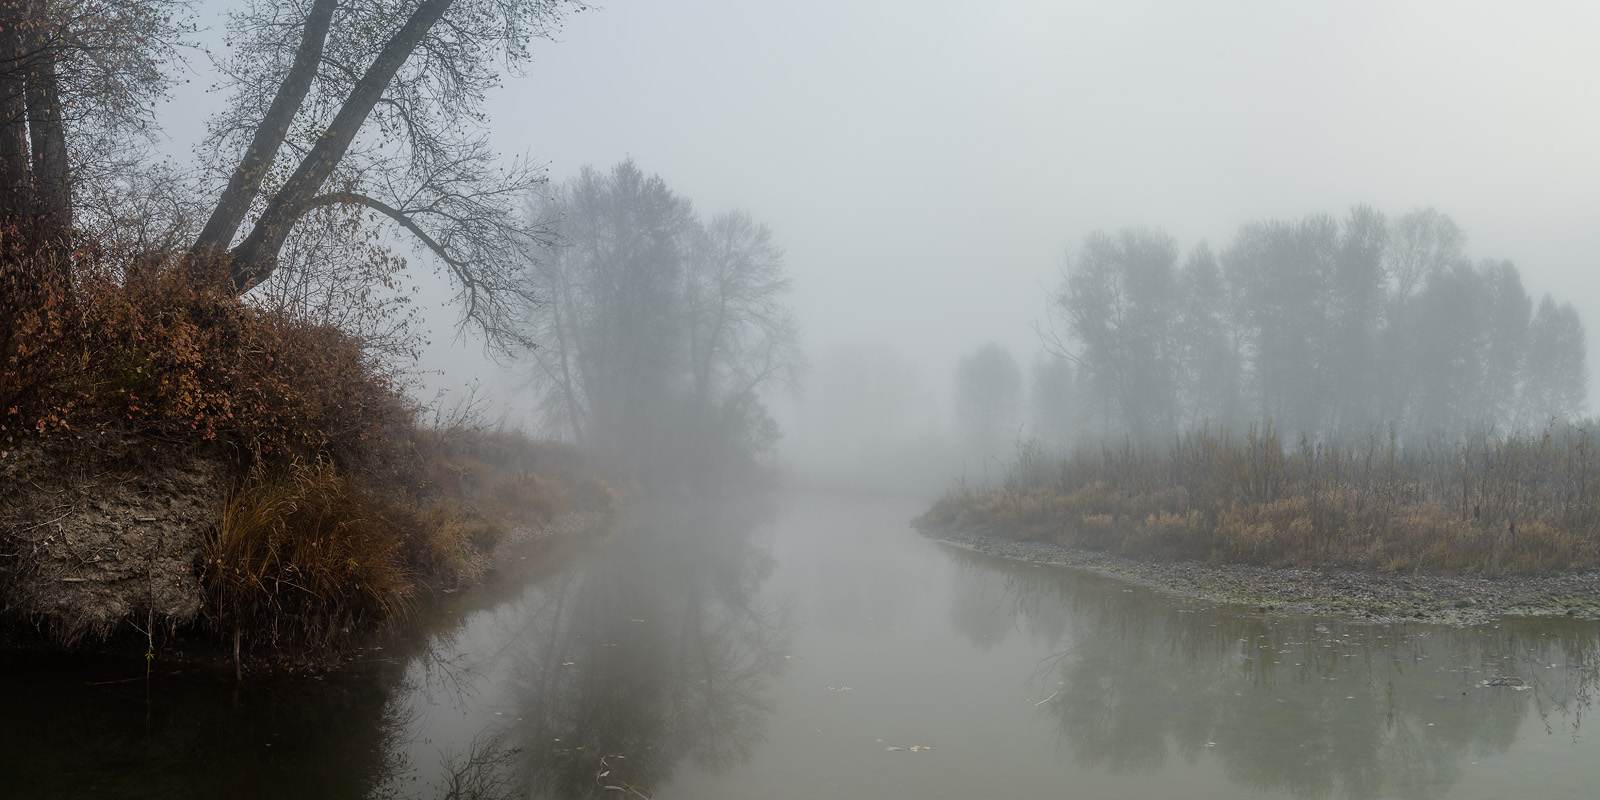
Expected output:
{"points": [[1556, 375], [612, 320], [378, 105], [742, 335], [659, 332], [78, 81], [1117, 303], [373, 106], [1421, 244]]}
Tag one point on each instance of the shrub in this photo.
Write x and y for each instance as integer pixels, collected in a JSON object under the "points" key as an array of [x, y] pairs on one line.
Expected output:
{"points": [[157, 347]]}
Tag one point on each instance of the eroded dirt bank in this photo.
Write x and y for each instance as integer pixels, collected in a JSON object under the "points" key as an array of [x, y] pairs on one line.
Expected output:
{"points": [[105, 535], [1364, 595]]}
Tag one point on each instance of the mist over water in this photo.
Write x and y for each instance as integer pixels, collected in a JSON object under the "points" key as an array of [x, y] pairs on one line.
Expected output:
{"points": [[804, 648], [1250, 282]]}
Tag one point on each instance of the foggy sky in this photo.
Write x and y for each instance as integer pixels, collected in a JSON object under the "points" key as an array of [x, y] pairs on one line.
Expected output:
{"points": [[926, 163]]}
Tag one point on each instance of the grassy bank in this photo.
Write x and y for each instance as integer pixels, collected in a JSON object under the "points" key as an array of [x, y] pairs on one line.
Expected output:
{"points": [[175, 458], [1484, 505]]}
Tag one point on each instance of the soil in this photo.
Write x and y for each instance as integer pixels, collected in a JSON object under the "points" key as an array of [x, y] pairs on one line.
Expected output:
{"points": [[103, 530], [1375, 597]]}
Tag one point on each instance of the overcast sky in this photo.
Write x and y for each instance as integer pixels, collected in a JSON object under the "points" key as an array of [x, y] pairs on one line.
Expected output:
{"points": [[926, 163]]}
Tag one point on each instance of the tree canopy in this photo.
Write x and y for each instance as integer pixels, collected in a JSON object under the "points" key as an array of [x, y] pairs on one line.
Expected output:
{"points": [[1327, 326]]}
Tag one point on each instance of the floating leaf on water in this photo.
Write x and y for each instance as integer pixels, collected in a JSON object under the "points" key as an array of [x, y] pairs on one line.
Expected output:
{"points": [[568, 663], [892, 747]]}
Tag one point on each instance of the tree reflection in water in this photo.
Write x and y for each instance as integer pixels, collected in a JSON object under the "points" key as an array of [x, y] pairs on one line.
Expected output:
{"points": [[1313, 708], [653, 651]]}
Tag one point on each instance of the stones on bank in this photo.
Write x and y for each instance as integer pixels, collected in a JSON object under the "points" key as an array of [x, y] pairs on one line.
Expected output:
{"points": [[1366, 596]]}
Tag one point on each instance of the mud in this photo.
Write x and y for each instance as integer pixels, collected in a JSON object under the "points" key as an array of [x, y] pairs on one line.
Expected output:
{"points": [[103, 531]]}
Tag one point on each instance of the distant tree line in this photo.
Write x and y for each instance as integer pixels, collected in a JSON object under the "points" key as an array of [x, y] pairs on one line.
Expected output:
{"points": [[658, 330], [1320, 325]]}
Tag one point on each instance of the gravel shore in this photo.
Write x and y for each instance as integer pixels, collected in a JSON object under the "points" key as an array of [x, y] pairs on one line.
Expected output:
{"points": [[1365, 595]]}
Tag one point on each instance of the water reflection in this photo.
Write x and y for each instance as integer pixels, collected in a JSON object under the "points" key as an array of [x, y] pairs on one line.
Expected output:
{"points": [[74, 725], [651, 652], [656, 661], [1286, 705]]}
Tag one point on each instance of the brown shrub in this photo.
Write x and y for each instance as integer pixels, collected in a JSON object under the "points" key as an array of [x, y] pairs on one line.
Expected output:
{"points": [[157, 348]]}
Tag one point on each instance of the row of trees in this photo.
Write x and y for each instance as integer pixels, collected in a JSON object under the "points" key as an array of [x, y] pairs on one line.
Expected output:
{"points": [[1327, 326], [659, 330]]}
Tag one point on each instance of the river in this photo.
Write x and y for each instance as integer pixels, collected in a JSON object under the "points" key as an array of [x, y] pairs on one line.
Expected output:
{"points": [[815, 646]]}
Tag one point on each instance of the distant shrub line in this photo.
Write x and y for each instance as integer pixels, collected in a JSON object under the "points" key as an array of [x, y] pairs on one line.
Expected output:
{"points": [[1483, 505]]}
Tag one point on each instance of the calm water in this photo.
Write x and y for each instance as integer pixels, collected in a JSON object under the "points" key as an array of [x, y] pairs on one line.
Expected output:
{"points": [[819, 648]]}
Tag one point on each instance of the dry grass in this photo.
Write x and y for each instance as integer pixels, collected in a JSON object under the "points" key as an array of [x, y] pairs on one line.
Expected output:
{"points": [[1483, 505], [309, 551], [305, 553]]}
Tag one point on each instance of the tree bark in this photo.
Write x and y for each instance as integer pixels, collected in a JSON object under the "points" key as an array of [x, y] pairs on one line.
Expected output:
{"points": [[256, 257], [51, 175], [16, 187], [245, 182]]}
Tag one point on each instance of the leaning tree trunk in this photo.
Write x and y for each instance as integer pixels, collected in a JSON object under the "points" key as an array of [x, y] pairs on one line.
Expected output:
{"points": [[246, 179], [256, 257]]}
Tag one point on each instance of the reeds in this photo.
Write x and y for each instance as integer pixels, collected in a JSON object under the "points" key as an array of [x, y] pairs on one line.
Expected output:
{"points": [[1484, 504]]}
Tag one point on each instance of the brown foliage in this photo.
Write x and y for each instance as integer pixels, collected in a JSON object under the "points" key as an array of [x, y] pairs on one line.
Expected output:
{"points": [[143, 346], [343, 507], [1484, 505]]}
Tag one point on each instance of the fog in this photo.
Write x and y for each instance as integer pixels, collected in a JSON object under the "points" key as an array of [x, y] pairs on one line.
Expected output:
{"points": [[928, 167]]}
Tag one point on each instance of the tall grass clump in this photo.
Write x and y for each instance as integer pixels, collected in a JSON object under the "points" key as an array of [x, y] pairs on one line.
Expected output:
{"points": [[304, 553], [1483, 504]]}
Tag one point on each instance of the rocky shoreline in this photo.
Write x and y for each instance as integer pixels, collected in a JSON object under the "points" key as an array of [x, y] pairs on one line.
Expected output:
{"points": [[1366, 596]]}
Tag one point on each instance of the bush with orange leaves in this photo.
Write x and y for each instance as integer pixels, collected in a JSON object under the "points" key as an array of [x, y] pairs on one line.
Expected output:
{"points": [[151, 347]]}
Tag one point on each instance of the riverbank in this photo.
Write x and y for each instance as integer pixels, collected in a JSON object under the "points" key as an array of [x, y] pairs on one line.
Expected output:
{"points": [[193, 649], [1368, 596]]}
